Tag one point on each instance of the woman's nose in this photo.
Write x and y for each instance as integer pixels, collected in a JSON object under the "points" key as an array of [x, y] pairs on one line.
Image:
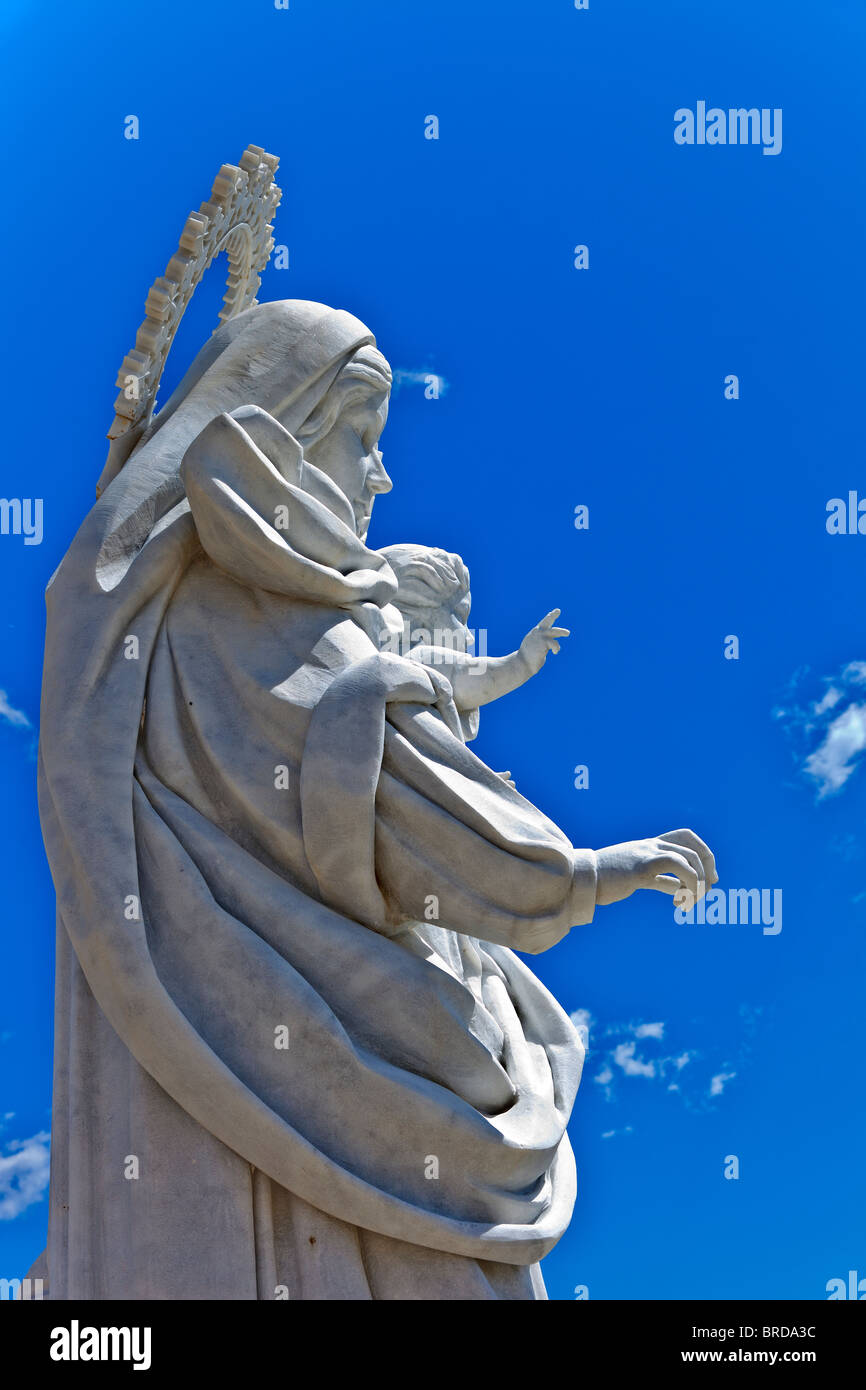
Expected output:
{"points": [[377, 479]]}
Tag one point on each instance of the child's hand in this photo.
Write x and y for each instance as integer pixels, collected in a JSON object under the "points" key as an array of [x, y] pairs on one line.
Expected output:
{"points": [[540, 640]]}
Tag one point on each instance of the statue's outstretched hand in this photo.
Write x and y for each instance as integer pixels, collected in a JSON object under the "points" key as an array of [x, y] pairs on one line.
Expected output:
{"points": [[540, 640], [676, 862]]}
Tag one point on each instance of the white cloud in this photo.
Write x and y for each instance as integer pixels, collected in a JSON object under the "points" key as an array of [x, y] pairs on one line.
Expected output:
{"points": [[831, 698], [13, 716], [717, 1085], [833, 761], [623, 1056], [649, 1030], [830, 731], [24, 1170], [610, 1133], [415, 376], [582, 1020], [641, 1051], [603, 1079]]}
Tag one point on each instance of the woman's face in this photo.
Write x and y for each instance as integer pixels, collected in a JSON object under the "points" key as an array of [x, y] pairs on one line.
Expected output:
{"points": [[349, 456]]}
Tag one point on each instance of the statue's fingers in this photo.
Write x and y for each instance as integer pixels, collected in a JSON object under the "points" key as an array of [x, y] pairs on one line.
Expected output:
{"points": [[671, 886], [560, 632], [684, 876], [688, 854], [694, 842], [550, 617]]}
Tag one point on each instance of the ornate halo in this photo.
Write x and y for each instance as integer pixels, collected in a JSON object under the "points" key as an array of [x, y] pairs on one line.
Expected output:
{"points": [[236, 219]]}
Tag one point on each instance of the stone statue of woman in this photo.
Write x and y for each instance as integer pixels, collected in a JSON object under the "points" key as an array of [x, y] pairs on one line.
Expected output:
{"points": [[296, 1055]]}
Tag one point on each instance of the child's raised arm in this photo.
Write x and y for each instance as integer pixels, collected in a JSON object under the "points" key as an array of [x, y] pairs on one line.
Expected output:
{"points": [[476, 680]]}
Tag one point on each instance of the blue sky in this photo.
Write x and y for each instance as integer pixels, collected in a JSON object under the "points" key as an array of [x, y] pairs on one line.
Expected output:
{"points": [[602, 387]]}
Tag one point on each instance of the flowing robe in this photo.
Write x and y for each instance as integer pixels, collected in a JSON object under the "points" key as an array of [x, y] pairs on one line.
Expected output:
{"points": [[296, 1055]]}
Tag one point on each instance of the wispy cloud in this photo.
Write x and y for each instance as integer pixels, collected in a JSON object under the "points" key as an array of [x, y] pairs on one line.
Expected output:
{"points": [[24, 1171], [611, 1133], [420, 376], [13, 716], [622, 1054], [582, 1020], [718, 1083], [830, 728], [835, 759], [649, 1030]]}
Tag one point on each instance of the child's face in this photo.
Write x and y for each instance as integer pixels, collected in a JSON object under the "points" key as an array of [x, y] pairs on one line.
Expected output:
{"points": [[442, 627]]}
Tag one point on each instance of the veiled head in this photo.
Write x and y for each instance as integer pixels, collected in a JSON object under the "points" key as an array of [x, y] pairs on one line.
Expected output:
{"points": [[315, 369]]}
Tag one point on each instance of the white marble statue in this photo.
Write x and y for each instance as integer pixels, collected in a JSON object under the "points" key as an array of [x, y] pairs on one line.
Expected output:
{"points": [[296, 1053]]}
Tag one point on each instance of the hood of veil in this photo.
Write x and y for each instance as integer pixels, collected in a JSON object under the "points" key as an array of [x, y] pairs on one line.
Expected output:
{"points": [[283, 356]]}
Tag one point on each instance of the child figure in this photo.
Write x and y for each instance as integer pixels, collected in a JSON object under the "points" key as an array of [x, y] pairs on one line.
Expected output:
{"points": [[434, 600]]}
